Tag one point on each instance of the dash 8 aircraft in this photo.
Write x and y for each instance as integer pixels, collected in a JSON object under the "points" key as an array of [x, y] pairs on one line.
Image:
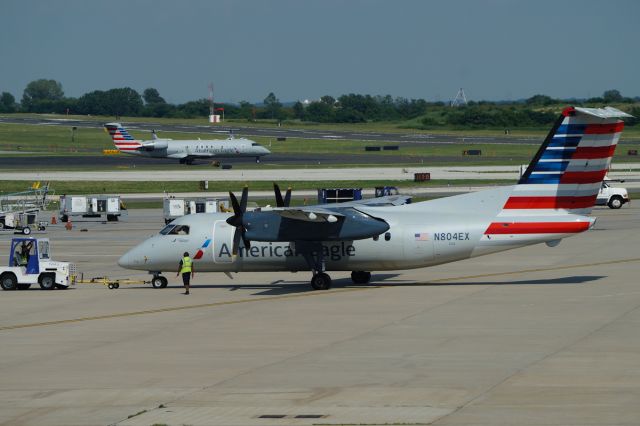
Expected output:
{"points": [[550, 202], [186, 151]]}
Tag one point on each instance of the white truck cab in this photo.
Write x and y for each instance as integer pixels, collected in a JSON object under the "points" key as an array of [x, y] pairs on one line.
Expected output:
{"points": [[612, 196], [30, 263]]}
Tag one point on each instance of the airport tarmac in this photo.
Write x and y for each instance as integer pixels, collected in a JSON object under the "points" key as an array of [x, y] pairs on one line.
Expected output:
{"points": [[532, 336], [628, 171]]}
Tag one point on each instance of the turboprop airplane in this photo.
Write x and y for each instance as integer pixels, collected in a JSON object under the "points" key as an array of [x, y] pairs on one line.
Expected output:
{"points": [[186, 151], [550, 202]]}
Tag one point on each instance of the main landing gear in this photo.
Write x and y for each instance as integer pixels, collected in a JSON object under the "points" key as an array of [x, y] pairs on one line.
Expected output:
{"points": [[257, 159], [322, 280], [314, 256]]}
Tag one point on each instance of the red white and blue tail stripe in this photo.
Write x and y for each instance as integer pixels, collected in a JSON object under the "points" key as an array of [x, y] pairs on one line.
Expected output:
{"points": [[562, 182], [569, 168], [121, 138]]}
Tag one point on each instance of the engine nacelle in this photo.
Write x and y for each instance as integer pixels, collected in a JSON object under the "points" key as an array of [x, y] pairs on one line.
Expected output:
{"points": [[156, 145]]}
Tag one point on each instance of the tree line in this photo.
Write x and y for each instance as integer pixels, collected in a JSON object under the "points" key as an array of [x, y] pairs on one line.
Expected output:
{"points": [[47, 96]]}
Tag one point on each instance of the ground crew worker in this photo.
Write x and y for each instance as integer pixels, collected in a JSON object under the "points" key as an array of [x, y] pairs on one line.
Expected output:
{"points": [[185, 267], [24, 254]]}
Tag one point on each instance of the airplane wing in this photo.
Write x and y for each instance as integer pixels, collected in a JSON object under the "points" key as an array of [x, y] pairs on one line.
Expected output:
{"points": [[309, 214], [388, 200]]}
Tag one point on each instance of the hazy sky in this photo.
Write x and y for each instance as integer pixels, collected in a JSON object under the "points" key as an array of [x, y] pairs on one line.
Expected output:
{"points": [[303, 49]]}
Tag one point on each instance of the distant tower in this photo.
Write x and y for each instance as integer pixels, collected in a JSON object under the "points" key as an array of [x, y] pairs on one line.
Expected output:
{"points": [[213, 118], [460, 98], [211, 106]]}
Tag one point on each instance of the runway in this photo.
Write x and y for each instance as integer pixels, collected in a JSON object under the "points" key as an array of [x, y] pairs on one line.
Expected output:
{"points": [[532, 336], [70, 162], [407, 137]]}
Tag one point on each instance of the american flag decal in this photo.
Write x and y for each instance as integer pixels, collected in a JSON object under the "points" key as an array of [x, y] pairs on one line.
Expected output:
{"points": [[423, 236]]}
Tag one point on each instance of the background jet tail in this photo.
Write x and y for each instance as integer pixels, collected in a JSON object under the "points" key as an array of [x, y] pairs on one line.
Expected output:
{"points": [[568, 169], [121, 138]]}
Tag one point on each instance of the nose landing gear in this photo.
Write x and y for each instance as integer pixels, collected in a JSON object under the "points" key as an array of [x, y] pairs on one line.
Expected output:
{"points": [[158, 281]]}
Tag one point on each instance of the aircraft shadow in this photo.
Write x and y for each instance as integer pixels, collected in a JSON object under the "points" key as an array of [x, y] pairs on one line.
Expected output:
{"points": [[573, 279], [281, 287]]}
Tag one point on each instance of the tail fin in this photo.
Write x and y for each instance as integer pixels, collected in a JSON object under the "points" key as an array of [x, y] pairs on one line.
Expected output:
{"points": [[568, 169], [121, 138]]}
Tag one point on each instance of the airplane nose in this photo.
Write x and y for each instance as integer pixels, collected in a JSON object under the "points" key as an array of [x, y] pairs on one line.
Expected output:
{"points": [[124, 261], [132, 258]]}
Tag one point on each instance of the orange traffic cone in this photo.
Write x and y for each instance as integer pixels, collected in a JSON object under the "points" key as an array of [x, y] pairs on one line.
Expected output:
{"points": [[68, 226], [54, 220]]}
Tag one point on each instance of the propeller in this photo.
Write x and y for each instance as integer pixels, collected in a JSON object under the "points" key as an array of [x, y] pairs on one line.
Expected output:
{"points": [[239, 208], [287, 196]]}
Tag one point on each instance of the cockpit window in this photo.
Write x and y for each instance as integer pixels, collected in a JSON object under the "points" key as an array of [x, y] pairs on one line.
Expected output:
{"points": [[167, 229], [180, 230], [255, 144], [175, 230]]}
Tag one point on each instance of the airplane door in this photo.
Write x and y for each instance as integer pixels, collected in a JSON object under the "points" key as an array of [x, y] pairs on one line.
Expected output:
{"points": [[222, 242]]}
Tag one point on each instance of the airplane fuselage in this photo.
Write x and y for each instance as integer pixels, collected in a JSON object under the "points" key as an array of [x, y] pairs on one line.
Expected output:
{"points": [[419, 235], [224, 148]]}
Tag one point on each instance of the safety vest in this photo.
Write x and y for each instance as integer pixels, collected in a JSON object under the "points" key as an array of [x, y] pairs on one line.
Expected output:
{"points": [[186, 265]]}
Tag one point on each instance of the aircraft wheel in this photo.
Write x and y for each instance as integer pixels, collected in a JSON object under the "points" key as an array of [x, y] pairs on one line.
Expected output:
{"points": [[26, 230], [110, 286], [159, 282], [47, 282], [8, 282], [615, 202], [321, 281], [360, 277]]}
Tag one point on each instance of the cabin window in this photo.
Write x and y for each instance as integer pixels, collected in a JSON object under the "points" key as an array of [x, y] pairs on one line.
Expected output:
{"points": [[387, 236]]}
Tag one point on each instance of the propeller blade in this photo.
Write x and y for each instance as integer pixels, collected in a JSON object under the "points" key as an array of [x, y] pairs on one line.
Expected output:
{"points": [[287, 197], [237, 214], [236, 241], [276, 190], [234, 203], [247, 243], [244, 199]]}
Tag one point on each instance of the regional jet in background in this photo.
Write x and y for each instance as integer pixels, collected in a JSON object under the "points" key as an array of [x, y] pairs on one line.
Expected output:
{"points": [[550, 202], [186, 151]]}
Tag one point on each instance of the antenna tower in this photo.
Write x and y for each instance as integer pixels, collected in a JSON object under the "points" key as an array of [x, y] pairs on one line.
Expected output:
{"points": [[460, 98], [211, 105]]}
